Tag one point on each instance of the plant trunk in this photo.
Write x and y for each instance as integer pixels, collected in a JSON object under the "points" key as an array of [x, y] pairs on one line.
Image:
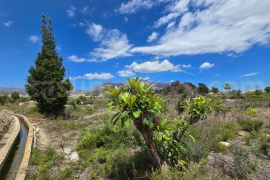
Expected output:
{"points": [[159, 162]]}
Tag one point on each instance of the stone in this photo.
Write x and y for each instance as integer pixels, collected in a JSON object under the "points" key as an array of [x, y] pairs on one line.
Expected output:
{"points": [[242, 133], [67, 150], [74, 156]]}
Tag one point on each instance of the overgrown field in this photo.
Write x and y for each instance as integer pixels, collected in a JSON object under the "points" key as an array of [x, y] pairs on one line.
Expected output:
{"points": [[108, 151]]}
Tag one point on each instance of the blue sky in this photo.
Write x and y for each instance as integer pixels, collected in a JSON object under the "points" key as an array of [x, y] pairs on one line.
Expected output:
{"points": [[199, 41]]}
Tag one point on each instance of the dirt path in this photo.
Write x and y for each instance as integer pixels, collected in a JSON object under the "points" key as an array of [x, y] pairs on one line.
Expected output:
{"points": [[42, 136]]}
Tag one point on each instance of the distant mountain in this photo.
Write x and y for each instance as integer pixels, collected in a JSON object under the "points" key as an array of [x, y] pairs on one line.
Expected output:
{"points": [[11, 90], [101, 89], [93, 91]]}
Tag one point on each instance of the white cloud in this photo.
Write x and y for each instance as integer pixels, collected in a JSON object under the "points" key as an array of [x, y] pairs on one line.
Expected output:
{"points": [[113, 45], [152, 37], [206, 65], [215, 27], [170, 25], [126, 73], [91, 76], [180, 6], [71, 11], [126, 19], [134, 5], [95, 31], [216, 74], [186, 66], [85, 10], [154, 67], [8, 23], [58, 47], [75, 58], [81, 24], [33, 39], [146, 79], [250, 74], [165, 19]]}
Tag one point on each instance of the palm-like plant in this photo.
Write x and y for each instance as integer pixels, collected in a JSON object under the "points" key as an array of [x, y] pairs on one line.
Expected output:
{"points": [[227, 87]]}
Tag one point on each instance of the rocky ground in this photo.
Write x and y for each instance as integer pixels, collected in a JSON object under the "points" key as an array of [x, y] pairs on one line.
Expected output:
{"points": [[5, 121]]}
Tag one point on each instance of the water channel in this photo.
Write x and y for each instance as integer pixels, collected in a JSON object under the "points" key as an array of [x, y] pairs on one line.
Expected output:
{"points": [[15, 157]]}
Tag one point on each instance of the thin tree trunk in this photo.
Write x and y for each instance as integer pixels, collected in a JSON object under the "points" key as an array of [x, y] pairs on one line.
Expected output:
{"points": [[151, 147], [159, 162]]}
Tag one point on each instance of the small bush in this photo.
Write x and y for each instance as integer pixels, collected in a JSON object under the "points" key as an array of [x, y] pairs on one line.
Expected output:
{"points": [[229, 131], [247, 140], [3, 100], [250, 124]]}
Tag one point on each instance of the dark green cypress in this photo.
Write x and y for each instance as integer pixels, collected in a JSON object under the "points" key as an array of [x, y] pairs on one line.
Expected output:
{"points": [[46, 83]]}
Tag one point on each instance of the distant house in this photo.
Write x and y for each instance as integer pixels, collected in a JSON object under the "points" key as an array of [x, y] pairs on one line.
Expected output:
{"points": [[250, 91]]}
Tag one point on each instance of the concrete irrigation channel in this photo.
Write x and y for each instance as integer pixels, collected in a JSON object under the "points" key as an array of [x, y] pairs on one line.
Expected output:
{"points": [[15, 148]]}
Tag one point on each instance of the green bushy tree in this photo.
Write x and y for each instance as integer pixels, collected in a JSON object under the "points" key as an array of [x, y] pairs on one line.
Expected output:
{"points": [[163, 138], [214, 90], [46, 83], [202, 88], [15, 96], [3, 99], [267, 89]]}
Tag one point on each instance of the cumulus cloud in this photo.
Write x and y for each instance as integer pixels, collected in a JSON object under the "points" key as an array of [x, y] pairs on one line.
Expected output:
{"points": [[33, 39], [250, 74], [152, 37], [8, 23], [113, 44], [75, 58], [71, 11], [92, 76], [215, 27], [126, 73], [135, 5], [95, 31], [154, 67], [206, 65]]}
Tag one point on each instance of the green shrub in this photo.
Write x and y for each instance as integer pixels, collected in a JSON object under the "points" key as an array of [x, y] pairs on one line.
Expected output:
{"points": [[3, 100], [250, 124], [15, 96], [229, 131]]}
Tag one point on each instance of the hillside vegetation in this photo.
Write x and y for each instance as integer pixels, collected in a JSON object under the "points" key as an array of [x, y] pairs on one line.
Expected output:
{"points": [[233, 142]]}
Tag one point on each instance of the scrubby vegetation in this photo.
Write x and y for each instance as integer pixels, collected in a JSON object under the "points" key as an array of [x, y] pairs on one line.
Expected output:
{"points": [[233, 142]]}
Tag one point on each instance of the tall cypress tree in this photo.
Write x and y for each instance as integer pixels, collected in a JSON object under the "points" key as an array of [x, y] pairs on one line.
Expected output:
{"points": [[46, 83]]}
